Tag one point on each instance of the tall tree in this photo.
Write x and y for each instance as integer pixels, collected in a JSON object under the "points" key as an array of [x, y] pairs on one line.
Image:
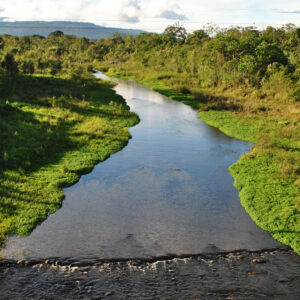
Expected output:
{"points": [[10, 65], [175, 33]]}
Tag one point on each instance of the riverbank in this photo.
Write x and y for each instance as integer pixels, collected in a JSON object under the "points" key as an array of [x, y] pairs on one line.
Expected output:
{"points": [[53, 130], [268, 177]]}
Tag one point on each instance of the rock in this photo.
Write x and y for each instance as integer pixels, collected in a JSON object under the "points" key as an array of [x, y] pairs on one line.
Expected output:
{"points": [[283, 280], [73, 269], [107, 294], [255, 273], [258, 261]]}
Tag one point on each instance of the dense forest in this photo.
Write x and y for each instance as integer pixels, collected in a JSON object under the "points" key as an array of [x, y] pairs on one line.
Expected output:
{"points": [[244, 81]]}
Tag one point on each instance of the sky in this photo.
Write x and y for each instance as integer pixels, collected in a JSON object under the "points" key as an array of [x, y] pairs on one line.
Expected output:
{"points": [[156, 15]]}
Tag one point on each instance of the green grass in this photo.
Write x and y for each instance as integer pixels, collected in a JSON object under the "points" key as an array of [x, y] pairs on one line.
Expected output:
{"points": [[52, 131], [230, 125], [268, 197], [268, 178]]}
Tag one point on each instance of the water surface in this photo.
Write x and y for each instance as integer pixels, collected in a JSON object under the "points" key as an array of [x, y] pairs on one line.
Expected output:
{"points": [[168, 191]]}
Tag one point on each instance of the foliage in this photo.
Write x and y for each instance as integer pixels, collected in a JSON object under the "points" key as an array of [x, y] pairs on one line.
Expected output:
{"points": [[9, 64], [27, 67], [175, 33], [197, 37], [56, 33]]}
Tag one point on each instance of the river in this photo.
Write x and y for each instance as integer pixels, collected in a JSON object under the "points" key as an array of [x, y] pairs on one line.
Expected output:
{"points": [[167, 193]]}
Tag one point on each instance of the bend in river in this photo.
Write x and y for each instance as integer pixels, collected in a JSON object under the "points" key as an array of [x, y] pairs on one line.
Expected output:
{"points": [[168, 191]]}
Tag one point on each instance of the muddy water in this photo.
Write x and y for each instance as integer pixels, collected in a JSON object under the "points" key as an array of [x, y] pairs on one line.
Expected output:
{"points": [[168, 191]]}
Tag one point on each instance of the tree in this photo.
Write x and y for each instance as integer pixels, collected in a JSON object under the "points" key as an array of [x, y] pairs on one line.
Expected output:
{"points": [[28, 67], [196, 37], [2, 43], [175, 33], [118, 38], [55, 66], [56, 33], [82, 44], [267, 54], [42, 65], [289, 27], [10, 65]]}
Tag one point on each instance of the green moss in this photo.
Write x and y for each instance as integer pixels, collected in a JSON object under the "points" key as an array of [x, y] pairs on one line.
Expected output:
{"points": [[52, 131]]}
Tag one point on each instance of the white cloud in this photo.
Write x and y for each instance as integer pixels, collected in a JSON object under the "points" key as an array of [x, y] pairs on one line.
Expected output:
{"points": [[172, 15], [117, 10], [123, 10], [290, 12], [155, 14], [165, 9]]}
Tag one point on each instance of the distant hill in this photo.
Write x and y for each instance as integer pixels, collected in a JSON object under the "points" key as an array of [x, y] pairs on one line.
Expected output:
{"points": [[80, 29]]}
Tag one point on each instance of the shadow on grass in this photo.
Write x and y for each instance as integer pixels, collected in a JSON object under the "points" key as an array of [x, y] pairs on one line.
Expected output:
{"points": [[28, 143], [199, 100], [42, 119]]}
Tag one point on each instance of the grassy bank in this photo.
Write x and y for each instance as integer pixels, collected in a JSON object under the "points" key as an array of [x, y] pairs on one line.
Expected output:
{"points": [[268, 178], [52, 130]]}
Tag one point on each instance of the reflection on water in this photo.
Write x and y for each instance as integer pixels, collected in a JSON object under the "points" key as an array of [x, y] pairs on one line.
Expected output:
{"points": [[168, 191]]}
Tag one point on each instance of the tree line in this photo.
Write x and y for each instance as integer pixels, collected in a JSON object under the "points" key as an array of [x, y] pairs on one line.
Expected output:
{"points": [[238, 56]]}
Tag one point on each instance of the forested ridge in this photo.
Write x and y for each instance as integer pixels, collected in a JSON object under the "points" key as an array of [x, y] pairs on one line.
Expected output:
{"points": [[44, 28], [244, 81]]}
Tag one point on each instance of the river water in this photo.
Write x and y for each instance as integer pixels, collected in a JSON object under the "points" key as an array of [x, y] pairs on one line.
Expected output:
{"points": [[159, 219], [168, 191]]}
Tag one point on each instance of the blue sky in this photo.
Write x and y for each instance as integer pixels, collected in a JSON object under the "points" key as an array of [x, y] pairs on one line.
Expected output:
{"points": [[155, 15]]}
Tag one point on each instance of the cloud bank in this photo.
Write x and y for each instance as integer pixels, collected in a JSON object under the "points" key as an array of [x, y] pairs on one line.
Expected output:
{"points": [[154, 14], [106, 10], [172, 15], [291, 12]]}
